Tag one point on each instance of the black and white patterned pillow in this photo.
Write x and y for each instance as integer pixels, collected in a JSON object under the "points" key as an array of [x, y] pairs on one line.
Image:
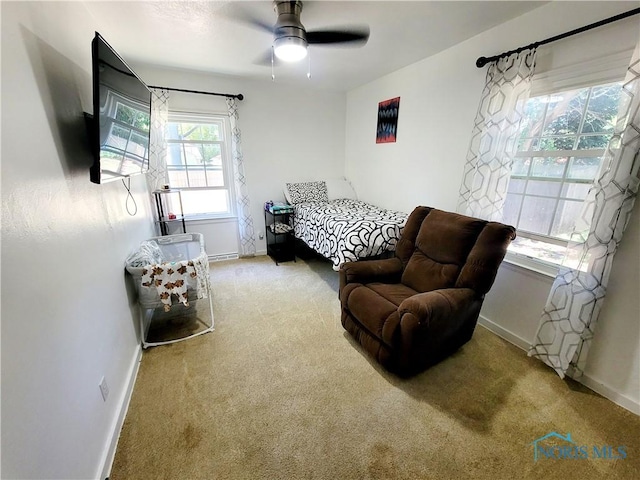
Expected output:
{"points": [[308, 192]]}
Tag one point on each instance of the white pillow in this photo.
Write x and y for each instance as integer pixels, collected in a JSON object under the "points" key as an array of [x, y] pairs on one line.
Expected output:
{"points": [[340, 188], [287, 196]]}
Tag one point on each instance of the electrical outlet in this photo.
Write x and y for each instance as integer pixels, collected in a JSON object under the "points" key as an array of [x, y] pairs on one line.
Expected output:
{"points": [[260, 235], [104, 389]]}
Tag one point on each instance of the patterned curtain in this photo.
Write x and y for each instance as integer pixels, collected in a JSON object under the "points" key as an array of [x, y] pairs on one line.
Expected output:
{"points": [[157, 174], [571, 312], [245, 220], [495, 134]]}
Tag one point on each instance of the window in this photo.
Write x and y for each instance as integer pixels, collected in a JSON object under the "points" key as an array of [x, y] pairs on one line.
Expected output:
{"points": [[562, 141], [197, 164]]}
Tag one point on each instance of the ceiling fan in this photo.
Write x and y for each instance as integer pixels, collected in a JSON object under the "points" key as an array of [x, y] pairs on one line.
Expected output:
{"points": [[291, 39]]}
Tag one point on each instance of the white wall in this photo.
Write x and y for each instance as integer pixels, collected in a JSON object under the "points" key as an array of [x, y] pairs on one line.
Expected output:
{"points": [[439, 99], [67, 312], [288, 134]]}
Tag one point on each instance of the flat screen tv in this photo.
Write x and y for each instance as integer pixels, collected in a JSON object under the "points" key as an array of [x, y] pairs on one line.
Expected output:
{"points": [[121, 117]]}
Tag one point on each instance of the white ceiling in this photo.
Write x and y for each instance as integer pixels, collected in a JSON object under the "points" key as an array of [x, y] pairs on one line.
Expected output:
{"points": [[210, 37]]}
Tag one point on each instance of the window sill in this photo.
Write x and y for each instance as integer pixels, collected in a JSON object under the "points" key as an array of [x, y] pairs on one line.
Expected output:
{"points": [[210, 218], [538, 256], [536, 265]]}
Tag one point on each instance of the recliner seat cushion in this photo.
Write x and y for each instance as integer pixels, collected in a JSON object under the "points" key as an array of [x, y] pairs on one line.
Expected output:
{"points": [[396, 293]]}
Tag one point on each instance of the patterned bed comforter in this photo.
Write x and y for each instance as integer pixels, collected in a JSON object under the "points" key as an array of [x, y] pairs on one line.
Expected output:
{"points": [[347, 230]]}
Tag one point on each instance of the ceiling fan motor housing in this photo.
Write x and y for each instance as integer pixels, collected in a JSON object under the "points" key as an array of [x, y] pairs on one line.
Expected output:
{"points": [[288, 28]]}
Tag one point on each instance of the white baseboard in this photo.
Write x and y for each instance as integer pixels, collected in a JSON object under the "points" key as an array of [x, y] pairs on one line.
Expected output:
{"points": [[504, 333], [125, 398], [231, 256], [589, 382], [223, 256], [609, 393]]}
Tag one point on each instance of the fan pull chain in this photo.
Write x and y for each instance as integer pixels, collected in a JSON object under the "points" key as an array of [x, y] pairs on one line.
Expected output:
{"points": [[309, 64], [273, 74]]}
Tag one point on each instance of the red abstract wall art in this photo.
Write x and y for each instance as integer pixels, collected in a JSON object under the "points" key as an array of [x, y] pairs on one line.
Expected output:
{"points": [[388, 120]]}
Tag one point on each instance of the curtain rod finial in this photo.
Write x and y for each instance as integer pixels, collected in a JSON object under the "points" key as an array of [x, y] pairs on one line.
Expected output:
{"points": [[240, 96], [481, 62]]}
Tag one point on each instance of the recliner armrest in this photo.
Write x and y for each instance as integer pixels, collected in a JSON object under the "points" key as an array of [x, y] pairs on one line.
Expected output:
{"points": [[388, 270], [437, 308], [434, 324]]}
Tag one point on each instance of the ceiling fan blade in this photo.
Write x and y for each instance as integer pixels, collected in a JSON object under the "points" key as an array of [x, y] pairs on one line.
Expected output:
{"points": [[354, 36], [237, 13], [257, 24], [264, 59]]}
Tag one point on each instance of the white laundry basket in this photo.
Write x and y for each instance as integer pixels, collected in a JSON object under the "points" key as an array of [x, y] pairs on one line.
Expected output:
{"points": [[165, 250]]}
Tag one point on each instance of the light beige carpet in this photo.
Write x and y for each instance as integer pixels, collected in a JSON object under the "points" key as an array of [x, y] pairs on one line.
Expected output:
{"points": [[280, 391]]}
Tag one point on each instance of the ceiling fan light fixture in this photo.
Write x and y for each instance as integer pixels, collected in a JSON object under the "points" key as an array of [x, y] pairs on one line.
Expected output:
{"points": [[290, 49]]}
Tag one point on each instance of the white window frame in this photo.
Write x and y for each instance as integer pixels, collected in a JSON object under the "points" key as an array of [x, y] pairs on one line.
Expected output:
{"points": [[225, 150], [564, 179], [537, 264]]}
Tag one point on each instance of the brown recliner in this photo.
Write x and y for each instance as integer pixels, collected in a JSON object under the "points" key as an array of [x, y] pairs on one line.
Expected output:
{"points": [[417, 308]]}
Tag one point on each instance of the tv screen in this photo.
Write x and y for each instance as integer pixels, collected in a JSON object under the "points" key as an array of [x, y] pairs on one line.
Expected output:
{"points": [[121, 116]]}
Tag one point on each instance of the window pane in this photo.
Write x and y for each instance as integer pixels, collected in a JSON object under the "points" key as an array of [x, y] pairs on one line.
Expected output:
{"points": [[590, 142], [603, 109], [174, 154], [215, 178], [537, 214], [511, 209], [584, 168], [173, 131], [532, 121], [177, 177], [192, 154], [212, 154], [540, 187], [565, 218], [565, 111], [211, 132], [557, 143], [205, 201], [516, 185], [527, 144], [197, 177], [189, 131], [551, 167], [520, 166], [577, 191]]}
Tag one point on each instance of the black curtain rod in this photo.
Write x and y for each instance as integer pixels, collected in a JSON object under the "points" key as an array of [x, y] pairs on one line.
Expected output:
{"points": [[228, 95], [482, 61]]}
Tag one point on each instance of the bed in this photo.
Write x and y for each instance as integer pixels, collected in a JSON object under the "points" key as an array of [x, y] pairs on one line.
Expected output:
{"points": [[329, 219]]}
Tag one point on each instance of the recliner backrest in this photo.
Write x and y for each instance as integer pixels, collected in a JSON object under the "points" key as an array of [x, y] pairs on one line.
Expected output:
{"points": [[443, 250], [407, 243]]}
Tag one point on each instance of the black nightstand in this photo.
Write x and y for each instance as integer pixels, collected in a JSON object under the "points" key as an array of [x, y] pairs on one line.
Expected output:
{"points": [[279, 236]]}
